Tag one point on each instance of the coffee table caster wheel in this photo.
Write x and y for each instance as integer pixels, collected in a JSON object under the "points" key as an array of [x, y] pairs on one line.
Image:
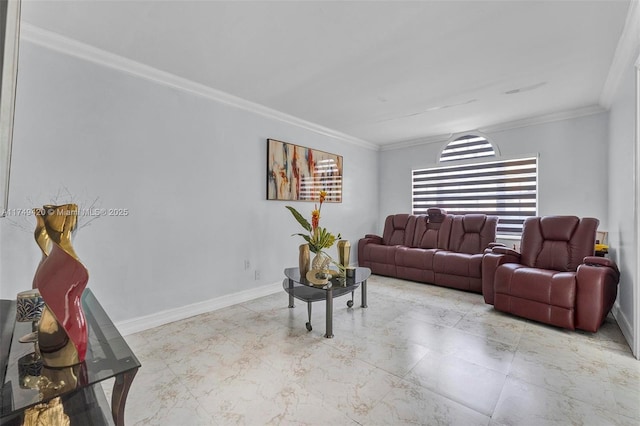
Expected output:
{"points": [[349, 303], [308, 325]]}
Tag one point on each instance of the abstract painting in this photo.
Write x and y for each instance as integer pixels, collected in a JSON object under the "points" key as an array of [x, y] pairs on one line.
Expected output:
{"points": [[298, 173]]}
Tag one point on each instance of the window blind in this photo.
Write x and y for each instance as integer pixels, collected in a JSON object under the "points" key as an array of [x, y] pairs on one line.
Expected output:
{"points": [[466, 147], [505, 188]]}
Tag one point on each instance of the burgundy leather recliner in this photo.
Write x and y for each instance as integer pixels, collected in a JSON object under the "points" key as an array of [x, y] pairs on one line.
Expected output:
{"points": [[460, 265], [380, 252], [555, 278], [415, 262]]}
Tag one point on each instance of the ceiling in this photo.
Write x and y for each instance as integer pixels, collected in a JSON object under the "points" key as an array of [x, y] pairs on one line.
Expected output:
{"points": [[380, 71]]}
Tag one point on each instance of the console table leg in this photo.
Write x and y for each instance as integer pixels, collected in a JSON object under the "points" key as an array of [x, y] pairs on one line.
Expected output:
{"points": [[363, 294], [119, 396], [329, 334], [291, 305]]}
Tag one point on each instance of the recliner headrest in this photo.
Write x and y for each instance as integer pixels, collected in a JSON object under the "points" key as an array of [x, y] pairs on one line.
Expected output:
{"points": [[436, 214], [558, 228], [400, 220], [473, 223]]}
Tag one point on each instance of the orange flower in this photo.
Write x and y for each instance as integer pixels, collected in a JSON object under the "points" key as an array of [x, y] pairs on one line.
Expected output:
{"points": [[315, 219], [323, 195]]}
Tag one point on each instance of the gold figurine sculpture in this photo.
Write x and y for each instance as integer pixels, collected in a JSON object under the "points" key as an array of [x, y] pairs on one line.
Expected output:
{"points": [[61, 279], [46, 414]]}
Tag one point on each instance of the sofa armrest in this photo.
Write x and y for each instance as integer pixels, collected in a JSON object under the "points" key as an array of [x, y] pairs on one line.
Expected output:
{"points": [[600, 261], [369, 239], [375, 239], [490, 247], [490, 263], [596, 291], [506, 251]]}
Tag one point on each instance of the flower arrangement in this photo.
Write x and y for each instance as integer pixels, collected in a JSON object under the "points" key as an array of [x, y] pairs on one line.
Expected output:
{"points": [[318, 238]]}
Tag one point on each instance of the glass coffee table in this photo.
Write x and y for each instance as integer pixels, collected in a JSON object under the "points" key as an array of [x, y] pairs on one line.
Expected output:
{"points": [[26, 382], [298, 287]]}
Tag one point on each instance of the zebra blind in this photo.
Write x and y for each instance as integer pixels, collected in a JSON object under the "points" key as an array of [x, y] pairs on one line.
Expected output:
{"points": [[465, 147], [505, 188]]}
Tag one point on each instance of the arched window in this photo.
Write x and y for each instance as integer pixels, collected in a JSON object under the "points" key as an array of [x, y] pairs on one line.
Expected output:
{"points": [[465, 147], [477, 182]]}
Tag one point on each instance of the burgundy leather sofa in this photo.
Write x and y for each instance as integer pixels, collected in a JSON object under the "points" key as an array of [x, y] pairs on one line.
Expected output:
{"points": [[436, 248], [554, 279]]}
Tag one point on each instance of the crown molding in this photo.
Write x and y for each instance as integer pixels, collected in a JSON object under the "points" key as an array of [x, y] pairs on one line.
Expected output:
{"points": [[545, 118], [626, 53], [416, 142], [525, 122], [69, 46]]}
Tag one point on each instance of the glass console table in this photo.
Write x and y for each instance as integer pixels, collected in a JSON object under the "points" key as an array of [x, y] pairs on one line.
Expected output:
{"points": [[26, 383], [298, 287]]}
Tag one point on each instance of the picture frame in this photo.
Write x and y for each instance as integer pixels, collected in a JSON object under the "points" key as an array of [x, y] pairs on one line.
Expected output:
{"points": [[601, 237], [299, 173]]}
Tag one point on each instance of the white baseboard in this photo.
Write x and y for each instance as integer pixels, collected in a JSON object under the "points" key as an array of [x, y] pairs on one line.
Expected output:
{"points": [[146, 322], [624, 324]]}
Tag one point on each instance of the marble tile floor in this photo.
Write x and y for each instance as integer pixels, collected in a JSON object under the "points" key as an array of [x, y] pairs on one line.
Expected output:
{"points": [[419, 354]]}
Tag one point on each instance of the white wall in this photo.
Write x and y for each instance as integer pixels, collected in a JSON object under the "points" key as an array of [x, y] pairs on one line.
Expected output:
{"points": [[622, 197], [572, 167], [191, 172]]}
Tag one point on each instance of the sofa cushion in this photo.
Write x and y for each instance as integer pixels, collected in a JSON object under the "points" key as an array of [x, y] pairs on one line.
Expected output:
{"points": [[381, 254], [427, 230], [462, 264], [415, 257], [557, 242], [470, 233], [380, 259], [415, 264], [399, 229], [538, 294], [540, 285]]}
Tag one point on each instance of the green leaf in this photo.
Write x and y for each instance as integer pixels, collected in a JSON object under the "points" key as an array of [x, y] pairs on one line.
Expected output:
{"points": [[305, 236], [324, 238], [301, 220]]}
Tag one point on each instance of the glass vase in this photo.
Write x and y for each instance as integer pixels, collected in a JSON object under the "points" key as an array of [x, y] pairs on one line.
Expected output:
{"points": [[320, 261]]}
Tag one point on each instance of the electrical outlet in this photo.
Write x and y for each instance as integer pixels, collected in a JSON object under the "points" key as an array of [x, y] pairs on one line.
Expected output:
{"points": [[257, 274], [247, 265]]}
